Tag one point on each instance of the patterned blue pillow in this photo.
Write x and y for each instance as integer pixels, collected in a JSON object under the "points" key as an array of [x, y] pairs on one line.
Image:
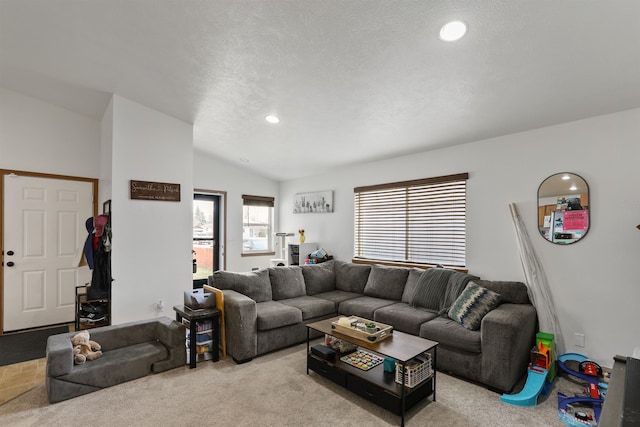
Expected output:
{"points": [[472, 305]]}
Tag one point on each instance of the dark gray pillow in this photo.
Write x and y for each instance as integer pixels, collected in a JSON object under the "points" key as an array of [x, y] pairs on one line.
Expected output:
{"points": [[351, 277], [410, 287], [255, 285], [287, 282], [319, 278], [386, 282]]}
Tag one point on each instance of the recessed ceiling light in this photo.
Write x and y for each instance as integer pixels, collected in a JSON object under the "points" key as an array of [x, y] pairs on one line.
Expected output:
{"points": [[573, 187], [453, 31], [565, 177], [272, 119]]}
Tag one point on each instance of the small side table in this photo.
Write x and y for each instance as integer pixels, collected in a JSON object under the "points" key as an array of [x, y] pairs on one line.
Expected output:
{"points": [[194, 316]]}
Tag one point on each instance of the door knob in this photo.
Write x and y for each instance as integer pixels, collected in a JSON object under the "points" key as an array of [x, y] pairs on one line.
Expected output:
{"points": [[10, 264], [10, 253]]}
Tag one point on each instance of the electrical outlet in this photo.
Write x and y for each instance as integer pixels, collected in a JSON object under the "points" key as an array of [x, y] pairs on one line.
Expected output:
{"points": [[160, 305], [579, 340]]}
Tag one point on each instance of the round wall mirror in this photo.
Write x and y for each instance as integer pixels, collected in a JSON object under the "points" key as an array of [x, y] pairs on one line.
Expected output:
{"points": [[563, 208]]}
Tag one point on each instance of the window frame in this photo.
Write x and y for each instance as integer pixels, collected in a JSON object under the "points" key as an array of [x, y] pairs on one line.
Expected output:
{"points": [[385, 238], [259, 201]]}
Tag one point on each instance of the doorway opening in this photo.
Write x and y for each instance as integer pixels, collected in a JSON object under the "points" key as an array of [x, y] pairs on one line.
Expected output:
{"points": [[207, 233]]}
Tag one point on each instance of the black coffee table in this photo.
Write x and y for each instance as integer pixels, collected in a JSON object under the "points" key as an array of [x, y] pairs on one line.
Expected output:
{"points": [[374, 384]]}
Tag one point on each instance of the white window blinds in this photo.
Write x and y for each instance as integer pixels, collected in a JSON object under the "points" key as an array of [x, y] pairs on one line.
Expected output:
{"points": [[420, 221]]}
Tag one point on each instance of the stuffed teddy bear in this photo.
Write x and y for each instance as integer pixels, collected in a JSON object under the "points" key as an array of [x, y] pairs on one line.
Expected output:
{"points": [[84, 348]]}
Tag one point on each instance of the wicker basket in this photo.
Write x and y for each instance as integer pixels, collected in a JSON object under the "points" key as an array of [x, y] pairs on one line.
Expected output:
{"points": [[417, 370]]}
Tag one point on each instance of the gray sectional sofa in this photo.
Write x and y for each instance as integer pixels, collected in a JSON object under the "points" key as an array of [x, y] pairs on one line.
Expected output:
{"points": [[268, 309], [130, 350]]}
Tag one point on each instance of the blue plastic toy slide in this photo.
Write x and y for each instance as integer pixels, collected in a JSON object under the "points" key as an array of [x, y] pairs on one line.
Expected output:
{"points": [[577, 357], [528, 396]]}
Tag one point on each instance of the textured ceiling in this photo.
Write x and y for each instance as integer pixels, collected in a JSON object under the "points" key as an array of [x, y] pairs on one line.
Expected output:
{"points": [[351, 81]]}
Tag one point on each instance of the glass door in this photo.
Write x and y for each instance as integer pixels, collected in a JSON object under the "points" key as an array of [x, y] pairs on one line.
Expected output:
{"points": [[206, 237]]}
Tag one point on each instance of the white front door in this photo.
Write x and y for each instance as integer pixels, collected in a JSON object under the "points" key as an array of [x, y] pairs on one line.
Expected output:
{"points": [[44, 227]]}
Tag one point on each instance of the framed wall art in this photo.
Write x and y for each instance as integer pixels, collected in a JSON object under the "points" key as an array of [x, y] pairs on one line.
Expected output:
{"points": [[315, 202]]}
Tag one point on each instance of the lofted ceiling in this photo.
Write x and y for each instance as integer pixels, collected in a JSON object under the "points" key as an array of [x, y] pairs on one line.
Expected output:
{"points": [[351, 80]]}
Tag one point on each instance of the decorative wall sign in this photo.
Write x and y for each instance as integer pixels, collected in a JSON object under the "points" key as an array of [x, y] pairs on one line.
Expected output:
{"points": [[316, 202], [145, 190], [576, 220]]}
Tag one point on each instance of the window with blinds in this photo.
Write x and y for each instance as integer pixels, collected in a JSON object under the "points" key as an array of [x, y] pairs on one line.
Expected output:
{"points": [[257, 224], [420, 221]]}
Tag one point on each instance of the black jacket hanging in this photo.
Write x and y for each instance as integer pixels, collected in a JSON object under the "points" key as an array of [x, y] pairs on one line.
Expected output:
{"points": [[101, 278]]}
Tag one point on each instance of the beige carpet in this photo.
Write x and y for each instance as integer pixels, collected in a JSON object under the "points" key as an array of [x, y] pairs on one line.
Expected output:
{"points": [[272, 390]]}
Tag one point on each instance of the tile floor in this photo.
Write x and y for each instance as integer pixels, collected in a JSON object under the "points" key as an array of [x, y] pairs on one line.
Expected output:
{"points": [[21, 377]]}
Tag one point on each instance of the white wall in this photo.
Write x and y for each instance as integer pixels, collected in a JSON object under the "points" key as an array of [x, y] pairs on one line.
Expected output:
{"points": [[40, 137], [594, 282], [151, 257], [211, 173], [106, 153]]}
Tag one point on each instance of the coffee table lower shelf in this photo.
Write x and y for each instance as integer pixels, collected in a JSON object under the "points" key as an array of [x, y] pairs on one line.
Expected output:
{"points": [[375, 385]]}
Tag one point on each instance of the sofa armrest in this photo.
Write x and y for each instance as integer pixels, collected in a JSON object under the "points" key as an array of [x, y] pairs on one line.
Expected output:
{"points": [[171, 333], [240, 318], [59, 355], [507, 336]]}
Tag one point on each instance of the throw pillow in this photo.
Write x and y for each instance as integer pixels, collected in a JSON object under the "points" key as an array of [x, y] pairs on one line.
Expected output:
{"points": [[287, 282], [472, 305], [511, 292], [386, 282]]}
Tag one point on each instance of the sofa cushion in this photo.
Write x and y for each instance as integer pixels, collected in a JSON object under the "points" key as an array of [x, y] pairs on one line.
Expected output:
{"points": [[255, 284], [337, 296], [287, 282], [410, 286], [386, 282], [311, 307], [319, 278], [117, 336], [363, 306], [449, 333], [403, 317], [273, 314], [118, 365], [512, 292], [472, 305], [351, 277]]}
